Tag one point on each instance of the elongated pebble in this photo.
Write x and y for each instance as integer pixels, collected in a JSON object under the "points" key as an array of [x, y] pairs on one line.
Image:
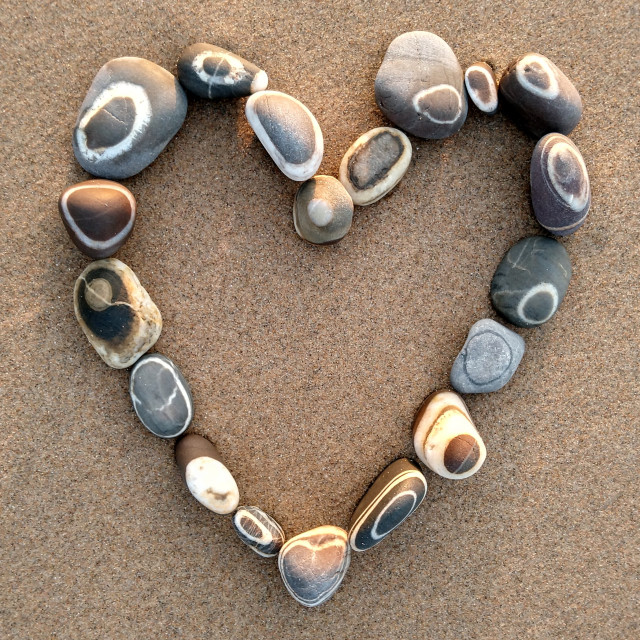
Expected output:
{"points": [[259, 531], [482, 87]]}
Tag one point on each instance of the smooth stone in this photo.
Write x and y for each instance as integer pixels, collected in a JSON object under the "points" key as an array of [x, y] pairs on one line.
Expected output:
{"points": [[206, 476], [531, 281], [445, 438], [396, 493], [115, 312], [489, 358], [314, 563], [482, 87], [419, 86], [538, 97], [288, 131], [322, 210], [131, 112], [161, 396], [259, 531], [98, 215], [560, 188], [374, 164], [211, 72]]}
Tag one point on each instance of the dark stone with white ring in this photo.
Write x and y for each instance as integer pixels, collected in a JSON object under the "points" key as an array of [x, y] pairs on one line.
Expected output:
{"points": [[161, 396], [531, 281], [482, 88], [392, 498], [212, 72], [488, 359], [259, 531]]}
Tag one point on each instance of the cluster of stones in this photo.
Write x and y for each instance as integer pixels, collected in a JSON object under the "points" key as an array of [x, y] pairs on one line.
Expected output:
{"points": [[132, 111]]}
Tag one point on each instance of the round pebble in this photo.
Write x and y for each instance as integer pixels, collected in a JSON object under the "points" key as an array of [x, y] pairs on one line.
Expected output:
{"points": [[482, 87], [259, 531]]}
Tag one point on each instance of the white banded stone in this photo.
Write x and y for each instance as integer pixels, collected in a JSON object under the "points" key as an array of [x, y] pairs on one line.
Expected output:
{"points": [[259, 531], [482, 87]]}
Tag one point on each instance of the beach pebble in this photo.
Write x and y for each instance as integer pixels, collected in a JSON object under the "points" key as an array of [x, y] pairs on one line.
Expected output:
{"points": [[489, 358], [392, 498], [115, 312], [98, 215], [445, 437], [131, 112], [288, 131], [374, 164], [482, 87], [161, 396], [322, 210], [531, 281], [539, 97], [259, 531], [314, 563], [419, 86], [211, 72], [205, 475], [560, 189]]}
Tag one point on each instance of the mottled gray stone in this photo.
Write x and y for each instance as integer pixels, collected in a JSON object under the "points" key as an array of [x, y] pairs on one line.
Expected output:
{"points": [[489, 358], [259, 531], [531, 281]]}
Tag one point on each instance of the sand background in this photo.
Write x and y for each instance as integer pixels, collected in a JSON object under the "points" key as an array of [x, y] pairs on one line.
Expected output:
{"points": [[307, 364]]}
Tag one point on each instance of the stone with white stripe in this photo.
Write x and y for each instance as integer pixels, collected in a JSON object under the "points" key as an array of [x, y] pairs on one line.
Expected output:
{"points": [[392, 498], [482, 87], [259, 531]]}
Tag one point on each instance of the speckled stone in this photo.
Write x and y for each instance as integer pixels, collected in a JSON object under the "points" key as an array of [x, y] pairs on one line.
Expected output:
{"points": [[560, 188], [445, 438], [419, 86], [259, 531], [161, 396], [288, 131], [314, 563], [538, 97], [396, 493], [374, 164], [482, 87], [131, 112], [531, 281], [489, 358], [211, 72], [115, 312]]}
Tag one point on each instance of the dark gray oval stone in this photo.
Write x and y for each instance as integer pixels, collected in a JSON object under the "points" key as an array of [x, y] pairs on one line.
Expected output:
{"points": [[259, 531]]}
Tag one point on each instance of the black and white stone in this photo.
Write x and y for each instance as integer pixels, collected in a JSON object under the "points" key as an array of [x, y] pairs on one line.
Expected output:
{"points": [[531, 281], [396, 493], [488, 360], [288, 131], [482, 87], [446, 439], [206, 476], [131, 112], [419, 86], [115, 312], [98, 215], [211, 72], [161, 396], [539, 97], [259, 531], [560, 188], [314, 563], [374, 164], [322, 210]]}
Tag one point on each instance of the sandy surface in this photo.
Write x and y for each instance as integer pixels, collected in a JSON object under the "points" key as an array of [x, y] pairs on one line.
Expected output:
{"points": [[308, 364]]}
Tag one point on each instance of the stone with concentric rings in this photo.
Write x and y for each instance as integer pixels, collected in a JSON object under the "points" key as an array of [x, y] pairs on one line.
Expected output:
{"points": [[259, 531]]}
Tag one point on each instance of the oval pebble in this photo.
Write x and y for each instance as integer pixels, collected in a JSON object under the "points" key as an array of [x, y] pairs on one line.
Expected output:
{"points": [[419, 86], [205, 475], [288, 131], [488, 359], [539, 97], [161, 396], [259, 531], [115, 312], [98, 215], [531, 281], [482, 87], [396, 493], [560, 188], [374, 164], [446, 439], [211, 72]]}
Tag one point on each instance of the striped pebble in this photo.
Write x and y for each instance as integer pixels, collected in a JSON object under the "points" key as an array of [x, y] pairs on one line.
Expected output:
{"points": [[482, 87], [259, 531]]}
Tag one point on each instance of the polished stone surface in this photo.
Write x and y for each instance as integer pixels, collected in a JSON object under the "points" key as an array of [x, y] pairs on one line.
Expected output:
{"points": [[482, 87], [259, 531]]}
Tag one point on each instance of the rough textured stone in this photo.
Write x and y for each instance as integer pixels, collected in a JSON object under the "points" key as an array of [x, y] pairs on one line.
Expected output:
{"points": [[482, 87], [259, 531]]}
